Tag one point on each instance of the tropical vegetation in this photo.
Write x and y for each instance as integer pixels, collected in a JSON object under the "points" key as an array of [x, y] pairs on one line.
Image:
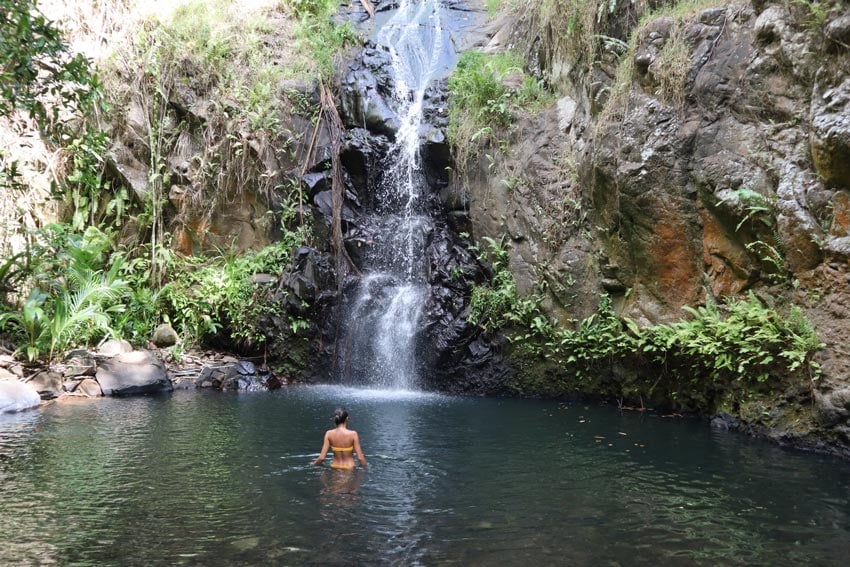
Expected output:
{"points": [[85, 277]]}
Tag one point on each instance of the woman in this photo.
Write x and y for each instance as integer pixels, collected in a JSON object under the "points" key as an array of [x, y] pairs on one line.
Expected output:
{"points": [[344, 443]]}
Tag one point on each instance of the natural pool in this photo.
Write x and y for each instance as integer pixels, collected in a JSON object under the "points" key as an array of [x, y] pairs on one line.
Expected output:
{"points": [[217, 479]]}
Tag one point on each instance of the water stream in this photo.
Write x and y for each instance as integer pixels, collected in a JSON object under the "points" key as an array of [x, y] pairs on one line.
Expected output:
{"points": [[383, 318]]}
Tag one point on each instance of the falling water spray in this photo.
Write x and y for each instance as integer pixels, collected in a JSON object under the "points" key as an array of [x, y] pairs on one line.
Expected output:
{"points": [[385, 314]]}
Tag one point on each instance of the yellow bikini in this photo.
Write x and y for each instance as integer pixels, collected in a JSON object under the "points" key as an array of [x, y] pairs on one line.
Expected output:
{"points": [[342, 450]]}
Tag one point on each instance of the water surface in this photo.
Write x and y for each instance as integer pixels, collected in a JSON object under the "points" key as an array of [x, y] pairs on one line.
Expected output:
{"points": [[217, 479]]}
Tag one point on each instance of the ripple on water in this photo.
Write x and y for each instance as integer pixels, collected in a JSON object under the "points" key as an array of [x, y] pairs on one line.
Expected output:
{"points": [[227, 480]]}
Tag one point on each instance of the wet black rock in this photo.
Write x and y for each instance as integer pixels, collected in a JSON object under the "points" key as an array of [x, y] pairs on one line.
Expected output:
{"points": [[324, 202], [316, 182], [366, 90], [313, 274], [361, 156]]}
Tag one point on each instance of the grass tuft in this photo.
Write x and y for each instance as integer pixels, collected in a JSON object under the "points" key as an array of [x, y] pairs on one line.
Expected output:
{"points": [[486, 91]]}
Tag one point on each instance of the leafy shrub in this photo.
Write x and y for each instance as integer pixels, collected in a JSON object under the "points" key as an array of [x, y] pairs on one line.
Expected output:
{"points": [[74, 300], [499, 303], [314, 8], [740, 344], [212, 295], [481, 101], [37, 69]]}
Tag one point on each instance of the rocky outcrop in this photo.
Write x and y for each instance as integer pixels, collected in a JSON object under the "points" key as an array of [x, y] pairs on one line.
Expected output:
{"points": [[365, 90], [236, 376], [712, 176], [717, 165]]}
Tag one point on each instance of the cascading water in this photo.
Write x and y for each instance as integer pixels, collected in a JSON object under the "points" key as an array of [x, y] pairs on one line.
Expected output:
{"points": [[383, 319]]}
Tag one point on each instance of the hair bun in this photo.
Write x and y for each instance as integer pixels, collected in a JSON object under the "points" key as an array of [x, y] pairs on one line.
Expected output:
{"points": [[340, 415]]}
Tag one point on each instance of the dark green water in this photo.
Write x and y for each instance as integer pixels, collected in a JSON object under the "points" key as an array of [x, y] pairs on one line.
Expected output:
{"points": [[197, 479]]}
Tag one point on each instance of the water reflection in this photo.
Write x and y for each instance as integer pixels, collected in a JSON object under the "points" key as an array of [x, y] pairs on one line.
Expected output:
{"points": [[212, 480]]}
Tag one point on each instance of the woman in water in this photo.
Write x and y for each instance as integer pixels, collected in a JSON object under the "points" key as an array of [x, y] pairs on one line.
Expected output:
{"points": [[344, 443]]}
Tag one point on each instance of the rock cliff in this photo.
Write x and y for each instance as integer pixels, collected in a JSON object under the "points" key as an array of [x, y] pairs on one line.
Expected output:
{"points": [[701, 152]]}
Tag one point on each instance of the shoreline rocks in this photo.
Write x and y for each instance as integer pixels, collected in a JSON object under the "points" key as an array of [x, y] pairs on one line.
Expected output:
{"points": [[17, 396]]}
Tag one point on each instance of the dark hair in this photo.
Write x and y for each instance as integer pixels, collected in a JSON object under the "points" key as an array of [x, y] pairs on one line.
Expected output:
{"points": [[340, 415]]}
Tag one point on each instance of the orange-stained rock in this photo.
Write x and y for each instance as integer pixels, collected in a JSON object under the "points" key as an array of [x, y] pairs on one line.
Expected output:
{"points": [[726, 261], [841, 211], [673, 266]]}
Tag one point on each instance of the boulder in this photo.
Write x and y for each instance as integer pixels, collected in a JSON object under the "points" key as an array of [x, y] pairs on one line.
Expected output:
{"points": [[90, 388], [48, 384], [6, 375], [165, 336], [79, 363], [17, 396], [138, 372], [114, 347]]}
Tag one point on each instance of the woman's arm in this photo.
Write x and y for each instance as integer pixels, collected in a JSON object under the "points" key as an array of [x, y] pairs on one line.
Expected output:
{"points": [[360, 456], [325, 446]]}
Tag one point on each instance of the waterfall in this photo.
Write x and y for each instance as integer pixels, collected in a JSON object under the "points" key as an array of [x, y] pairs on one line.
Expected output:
{"points": [[383, 317]]}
